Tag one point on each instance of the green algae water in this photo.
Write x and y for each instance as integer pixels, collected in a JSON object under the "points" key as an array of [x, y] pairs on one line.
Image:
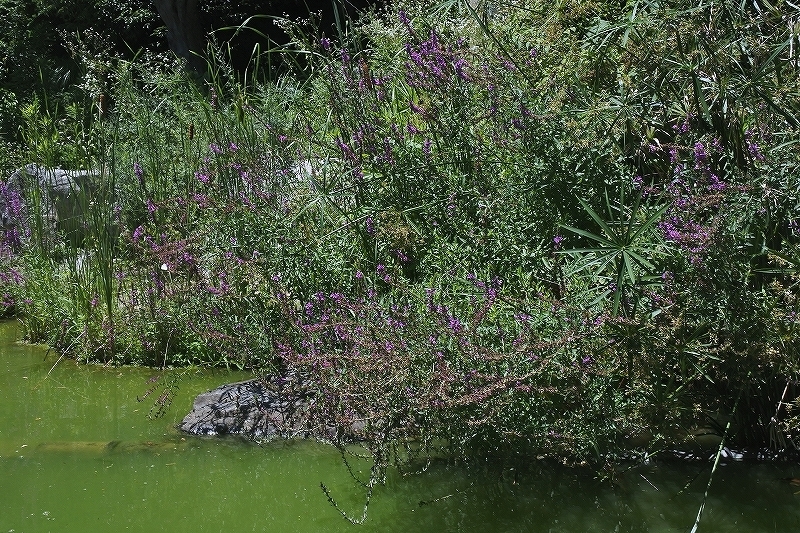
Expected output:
{"points": [[78, 453]]}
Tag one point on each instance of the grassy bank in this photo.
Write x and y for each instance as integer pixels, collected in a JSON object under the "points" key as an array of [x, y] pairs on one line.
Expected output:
{"points": [[543, 228]]}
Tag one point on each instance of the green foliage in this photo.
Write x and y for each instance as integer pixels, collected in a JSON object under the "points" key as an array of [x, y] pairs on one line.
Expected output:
{"points": [[386, 222], [622, 253]]}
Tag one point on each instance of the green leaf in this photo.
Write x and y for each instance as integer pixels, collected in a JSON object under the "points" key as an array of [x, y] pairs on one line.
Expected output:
{"points": [[605, 227], [589, 235]]}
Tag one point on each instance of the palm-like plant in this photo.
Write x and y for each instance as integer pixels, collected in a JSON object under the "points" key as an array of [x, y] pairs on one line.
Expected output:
{"points": [[622, 254]]}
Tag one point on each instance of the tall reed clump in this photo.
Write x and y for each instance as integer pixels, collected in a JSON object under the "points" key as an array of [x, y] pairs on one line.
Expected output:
{"points": [[536, 228]]}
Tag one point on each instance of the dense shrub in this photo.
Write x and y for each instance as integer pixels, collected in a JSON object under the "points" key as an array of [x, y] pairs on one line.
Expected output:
{"points": [[531, 228]]}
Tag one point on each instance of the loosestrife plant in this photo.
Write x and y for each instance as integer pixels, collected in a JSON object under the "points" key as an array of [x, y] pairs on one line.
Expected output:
{"points": [[536, 228]]}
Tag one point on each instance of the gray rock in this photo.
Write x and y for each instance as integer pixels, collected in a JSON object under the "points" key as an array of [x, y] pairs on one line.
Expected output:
{"points": [[258, 408], [62, 198]]}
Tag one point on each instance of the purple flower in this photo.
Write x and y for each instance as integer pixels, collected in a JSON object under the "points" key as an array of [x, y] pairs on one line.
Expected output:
{"points": [[683, 127], [403, 16], [460, 66], [700, 156], [214, 147], [325, 43], [381, 270], [139, 173], [337, 297], [416, 109], [716, 184], [200, 199], [347, 152], [752, 146], [202, 176], [454, 324], [431, 63], [557, 240], [690, 236], [137, 234], [508, 65], [426, 147]]}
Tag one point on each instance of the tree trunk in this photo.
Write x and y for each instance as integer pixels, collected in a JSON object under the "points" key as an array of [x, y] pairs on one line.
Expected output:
{"points": [[184, 31]]}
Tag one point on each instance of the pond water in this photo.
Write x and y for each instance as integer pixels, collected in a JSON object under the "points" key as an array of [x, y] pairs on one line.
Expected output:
{"points": [[79, 453]]}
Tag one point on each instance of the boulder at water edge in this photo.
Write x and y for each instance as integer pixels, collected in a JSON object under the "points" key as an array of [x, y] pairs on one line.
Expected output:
{"points": [[258, 408]]}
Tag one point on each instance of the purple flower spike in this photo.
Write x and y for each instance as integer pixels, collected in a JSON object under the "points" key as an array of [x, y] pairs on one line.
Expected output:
{"points": [[139, 173], [404, 18]]}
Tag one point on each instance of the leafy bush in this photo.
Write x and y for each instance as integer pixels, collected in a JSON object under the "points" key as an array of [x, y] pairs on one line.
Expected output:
{"points": [[539, 228]]}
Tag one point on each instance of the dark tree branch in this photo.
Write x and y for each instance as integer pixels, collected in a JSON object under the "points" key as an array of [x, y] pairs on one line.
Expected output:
{"points": [[184, 30]]}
